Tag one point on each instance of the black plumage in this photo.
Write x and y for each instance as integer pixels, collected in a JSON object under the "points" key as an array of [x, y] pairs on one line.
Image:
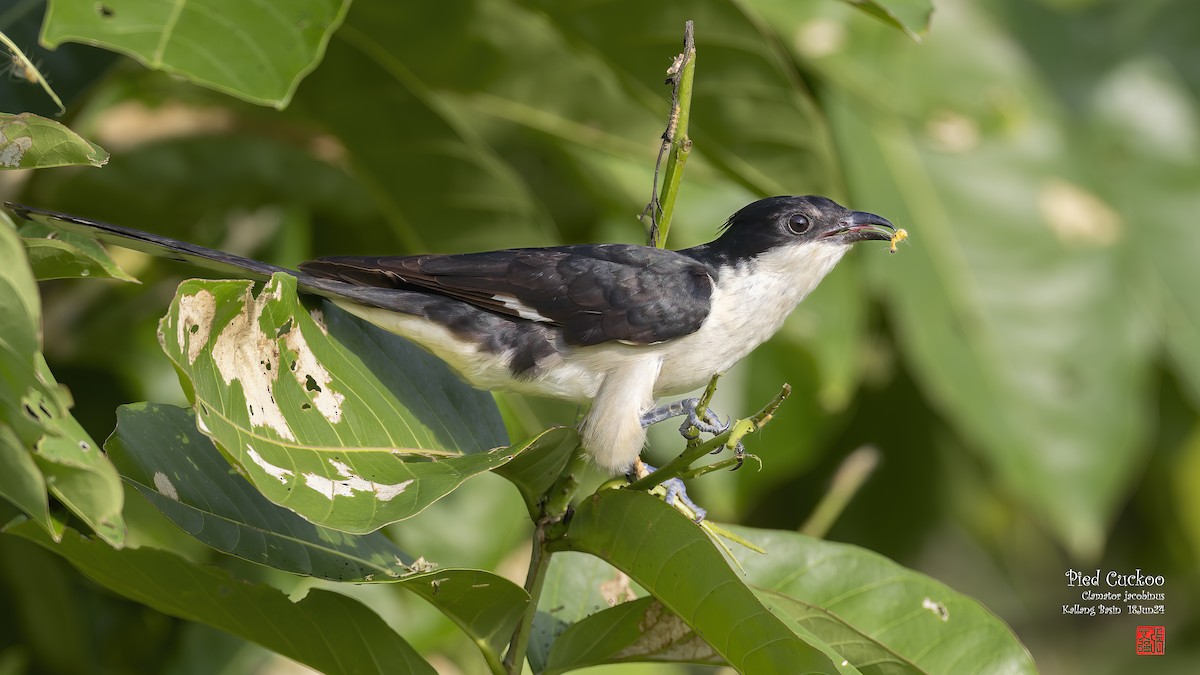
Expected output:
{"points": [[593, 294]]}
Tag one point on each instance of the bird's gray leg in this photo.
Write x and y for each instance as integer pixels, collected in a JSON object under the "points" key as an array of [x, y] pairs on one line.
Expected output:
{"points": [[676, 490], [686, 407]]}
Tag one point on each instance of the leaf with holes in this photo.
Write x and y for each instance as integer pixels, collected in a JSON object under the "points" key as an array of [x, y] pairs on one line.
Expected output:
{"points": [[344, 423], [257, 51]]}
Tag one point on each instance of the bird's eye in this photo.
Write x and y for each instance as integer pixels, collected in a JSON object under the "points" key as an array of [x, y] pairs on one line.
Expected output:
{"points": [[798, 224]]}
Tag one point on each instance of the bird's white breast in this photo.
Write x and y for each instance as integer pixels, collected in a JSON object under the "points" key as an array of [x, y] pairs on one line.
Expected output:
{"points": [[749, 304]]}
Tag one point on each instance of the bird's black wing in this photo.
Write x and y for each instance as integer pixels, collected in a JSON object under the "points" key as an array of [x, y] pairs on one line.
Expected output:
{"points": [[596, 293]]}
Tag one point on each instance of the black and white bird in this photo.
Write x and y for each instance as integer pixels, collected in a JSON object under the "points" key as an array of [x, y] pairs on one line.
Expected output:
{"points": [[616, 325]]}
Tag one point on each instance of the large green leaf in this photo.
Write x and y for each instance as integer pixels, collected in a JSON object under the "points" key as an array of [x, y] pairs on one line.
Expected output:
{"points": [[40, 439], [880, 616], [672, 558], [28, 141], [159, 449], [344, 423], [325, 630], [258, 51]]}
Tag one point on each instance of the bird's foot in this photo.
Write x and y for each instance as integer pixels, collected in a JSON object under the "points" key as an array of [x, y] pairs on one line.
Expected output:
{"points": [[687, 407], [706, 422], [675, 491]]}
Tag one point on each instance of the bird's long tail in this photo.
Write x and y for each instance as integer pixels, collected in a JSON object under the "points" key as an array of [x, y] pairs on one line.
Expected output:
{"points": [[217, 261]]}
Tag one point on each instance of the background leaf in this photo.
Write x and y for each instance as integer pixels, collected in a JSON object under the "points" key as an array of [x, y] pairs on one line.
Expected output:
{"points": [[28, 141], [314, 630], [256, 51]]}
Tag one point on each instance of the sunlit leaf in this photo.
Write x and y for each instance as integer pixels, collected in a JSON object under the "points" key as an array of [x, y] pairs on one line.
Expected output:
{"points": [[258, 51], [159, 449], [881, 617], [342, 422]]}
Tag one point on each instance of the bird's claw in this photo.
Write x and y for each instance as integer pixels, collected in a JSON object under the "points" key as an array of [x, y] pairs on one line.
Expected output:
{"points": [[700, 422]]}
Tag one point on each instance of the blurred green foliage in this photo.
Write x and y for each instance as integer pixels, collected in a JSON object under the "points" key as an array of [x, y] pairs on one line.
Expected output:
{"points": [[1027, 364]]}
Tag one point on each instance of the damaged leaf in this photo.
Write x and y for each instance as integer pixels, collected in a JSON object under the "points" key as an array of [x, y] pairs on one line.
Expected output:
{"points": [[346, 424]]}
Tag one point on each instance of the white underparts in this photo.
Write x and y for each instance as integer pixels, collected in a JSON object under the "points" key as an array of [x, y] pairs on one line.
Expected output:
{"points": [[612, 430]]}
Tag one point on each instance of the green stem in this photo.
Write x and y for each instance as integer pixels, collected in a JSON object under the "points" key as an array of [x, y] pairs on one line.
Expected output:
{"points": [[681, 78], [539, 563], [556, 501]]}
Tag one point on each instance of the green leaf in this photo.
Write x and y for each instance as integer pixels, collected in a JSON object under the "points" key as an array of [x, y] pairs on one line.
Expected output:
{"points": [[675, 561], [577, 585], [880, 616], [35, 417], [534, 471], [346, 424], [55, 254], [325, 630], [257, 51], [78, 474], [28, 141], [910, 16], [21, 483]]}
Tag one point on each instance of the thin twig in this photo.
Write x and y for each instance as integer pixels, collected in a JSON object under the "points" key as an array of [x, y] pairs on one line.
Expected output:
{"points": [[674, 139], [850, 476]]}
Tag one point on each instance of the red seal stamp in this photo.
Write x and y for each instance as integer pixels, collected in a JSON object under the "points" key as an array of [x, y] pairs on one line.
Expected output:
{"points": [[1151, 640]]}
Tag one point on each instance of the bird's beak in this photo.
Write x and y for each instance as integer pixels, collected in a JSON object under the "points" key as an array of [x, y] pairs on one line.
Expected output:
{"points": [[862, 226]]}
